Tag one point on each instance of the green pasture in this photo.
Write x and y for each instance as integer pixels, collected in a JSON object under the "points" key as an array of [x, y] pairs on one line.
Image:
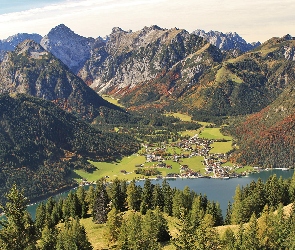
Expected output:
{"points": [[112, 169], [190, 133], [112, 100], [194, 163], [221, 147], [245, 168], [182, 117], [213, 133]]}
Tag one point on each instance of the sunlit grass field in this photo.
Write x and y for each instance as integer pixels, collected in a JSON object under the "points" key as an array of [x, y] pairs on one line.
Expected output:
{"points": [[112, 100], [221, 147], [213, 133]]}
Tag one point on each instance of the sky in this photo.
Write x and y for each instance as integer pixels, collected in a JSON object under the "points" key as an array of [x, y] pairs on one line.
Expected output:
{"points": [[254, 20]]}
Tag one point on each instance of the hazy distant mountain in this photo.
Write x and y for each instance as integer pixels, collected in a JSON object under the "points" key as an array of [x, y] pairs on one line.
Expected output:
{"points": [[11, 42], [71, 48], [226, 41]]}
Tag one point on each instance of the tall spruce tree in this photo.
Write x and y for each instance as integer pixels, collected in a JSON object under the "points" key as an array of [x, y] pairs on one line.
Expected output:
{"points": [[114, 224], [186, 236], [236, 214], [250, 236], [147, 194], [101, 203], [167, 196], [133, 196], [18, 231]]}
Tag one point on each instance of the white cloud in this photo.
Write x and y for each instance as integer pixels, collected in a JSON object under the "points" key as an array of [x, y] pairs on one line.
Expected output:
{"points": [[254, 20]]}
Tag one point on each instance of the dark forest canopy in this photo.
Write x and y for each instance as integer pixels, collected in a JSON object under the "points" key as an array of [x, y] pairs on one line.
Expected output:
{"points": [[40, 143]]}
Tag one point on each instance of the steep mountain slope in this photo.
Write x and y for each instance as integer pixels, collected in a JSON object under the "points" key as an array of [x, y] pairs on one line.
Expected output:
{"points": [[245, 84], [71, 48], [40, 143], [30, 69], [266, 138], [132, 61], [173, 69], [226, 41]]}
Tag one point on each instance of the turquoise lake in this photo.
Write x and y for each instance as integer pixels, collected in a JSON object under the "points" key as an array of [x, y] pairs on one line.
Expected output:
{"points": [[219, 190]]}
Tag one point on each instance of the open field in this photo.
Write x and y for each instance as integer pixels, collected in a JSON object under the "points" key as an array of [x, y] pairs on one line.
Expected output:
{"points": [[213, 133], [182, 117], [112, 100], [190, 133], [194, 163], [221, 147], [113, 169]]}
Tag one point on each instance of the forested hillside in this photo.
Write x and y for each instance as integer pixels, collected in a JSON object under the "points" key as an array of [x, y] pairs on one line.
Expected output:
{"points": [[40, 143]]}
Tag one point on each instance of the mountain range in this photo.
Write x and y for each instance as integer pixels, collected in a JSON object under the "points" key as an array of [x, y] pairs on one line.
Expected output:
{"points": [[210, 76]]}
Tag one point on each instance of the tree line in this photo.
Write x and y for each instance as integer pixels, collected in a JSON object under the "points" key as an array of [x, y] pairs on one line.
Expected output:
{"points": [[137, 216]]}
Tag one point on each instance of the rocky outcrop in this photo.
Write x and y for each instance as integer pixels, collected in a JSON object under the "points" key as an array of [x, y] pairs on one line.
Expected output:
{"points": [[11, 42]]}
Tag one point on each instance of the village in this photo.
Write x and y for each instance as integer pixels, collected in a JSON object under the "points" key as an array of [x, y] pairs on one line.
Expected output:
{"points": [[214, 163]]}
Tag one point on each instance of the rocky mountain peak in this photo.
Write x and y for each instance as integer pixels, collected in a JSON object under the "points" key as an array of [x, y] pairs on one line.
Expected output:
{"points": [[117, 30], [71, 48]]}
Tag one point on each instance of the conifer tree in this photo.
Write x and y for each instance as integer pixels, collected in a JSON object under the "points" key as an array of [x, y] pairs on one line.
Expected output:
{"points": [[48, 239], [266, 229], [239, 237], [40, 218], [227, 219], [158, 199], [237, 215], [116, 195], [83, 205], [196, 213], [161, 226], [207, 236], [177, 206], [18, 231], [228, 240], [292, 188], [114, 224], [90, 196], [167, 197], [186, 237], [73, 236], [147, 193], [101, 203], [133, 196], [149, 231], [250, 236], [131, 236]]}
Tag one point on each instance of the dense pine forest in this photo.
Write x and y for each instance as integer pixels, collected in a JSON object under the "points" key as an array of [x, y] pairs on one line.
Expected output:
{"points": [[137, 217]]}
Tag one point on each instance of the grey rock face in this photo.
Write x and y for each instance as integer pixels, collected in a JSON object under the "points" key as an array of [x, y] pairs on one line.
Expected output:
{"points": [[71, 48], [133, 58]]}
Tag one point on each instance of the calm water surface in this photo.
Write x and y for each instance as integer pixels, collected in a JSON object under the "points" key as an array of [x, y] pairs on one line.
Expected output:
{"points": [[218, 190]]}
